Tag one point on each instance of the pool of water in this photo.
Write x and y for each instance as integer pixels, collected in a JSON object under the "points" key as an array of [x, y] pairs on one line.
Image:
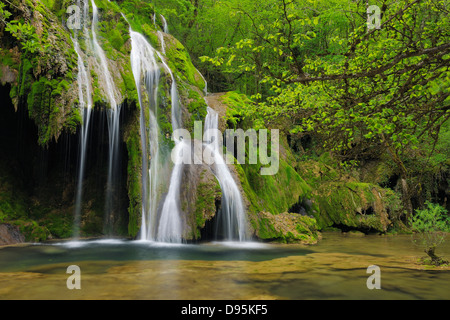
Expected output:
{"points": [[335, 268]]}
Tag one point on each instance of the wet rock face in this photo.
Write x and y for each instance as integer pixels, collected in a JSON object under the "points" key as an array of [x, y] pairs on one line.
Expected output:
{"points": [[200, 197], [10, 235]]}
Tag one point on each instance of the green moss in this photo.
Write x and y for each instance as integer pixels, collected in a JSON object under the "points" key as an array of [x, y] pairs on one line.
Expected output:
{"points": [[266, 230], [134, 184], [205, 207], [237, 104], [350, 204], [287, 228], [197, 107], [151, 35], [44, 109], [138, 12], [59, 225], [271, 190], [45, 76], [180, 63], [12, 206], [32, 231], [114, 32], [74, 120], [128, 84]]}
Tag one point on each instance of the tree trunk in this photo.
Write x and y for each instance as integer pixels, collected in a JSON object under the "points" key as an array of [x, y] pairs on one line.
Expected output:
{"points": [[435, 260], [406, 195]]}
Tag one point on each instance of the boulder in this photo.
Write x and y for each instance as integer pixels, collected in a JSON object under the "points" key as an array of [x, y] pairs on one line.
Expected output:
{"points": [[10, 234], [287, 228]]}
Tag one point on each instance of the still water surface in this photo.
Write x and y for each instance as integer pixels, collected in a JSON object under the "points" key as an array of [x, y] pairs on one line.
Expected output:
{"points": [[336, 268]]}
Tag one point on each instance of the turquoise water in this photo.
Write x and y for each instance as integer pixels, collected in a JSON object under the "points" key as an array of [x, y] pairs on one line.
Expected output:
{"points": [[335, 268]]}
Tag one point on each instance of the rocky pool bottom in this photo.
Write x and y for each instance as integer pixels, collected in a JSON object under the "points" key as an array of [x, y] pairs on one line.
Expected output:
{"points": [[335, 268]]}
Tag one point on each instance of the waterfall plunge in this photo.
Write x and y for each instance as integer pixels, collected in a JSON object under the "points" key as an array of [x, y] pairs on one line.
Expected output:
{"points": [[85, 101], [146, 74], [168, 228], [231, 220], [113, 118]]}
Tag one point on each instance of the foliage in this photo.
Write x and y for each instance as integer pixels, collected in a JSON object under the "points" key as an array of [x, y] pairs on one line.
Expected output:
{"points": [[430, 226], [318, 69], [44, 66], [357, 88]]}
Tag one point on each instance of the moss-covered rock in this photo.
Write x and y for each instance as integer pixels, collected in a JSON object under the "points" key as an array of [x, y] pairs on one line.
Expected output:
{"points": [[180, 62], [287, 228], [200, 197], [345, 202], [42, 77], [352, 205], [133, 141]]}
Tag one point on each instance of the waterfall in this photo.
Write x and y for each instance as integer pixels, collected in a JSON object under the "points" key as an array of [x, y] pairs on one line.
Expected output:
{"points": [[168, 228], [205, 89], [161, 220], [145, 67], [100, 54], [174, 96], [165, 25], [170, 225], [231, 219], [161, 35], [163, 43], [113, 118], [154, 20], [85, 102]]}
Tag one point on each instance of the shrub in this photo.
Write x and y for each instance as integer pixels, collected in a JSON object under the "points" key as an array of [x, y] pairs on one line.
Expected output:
{"points": [[430, 226]]}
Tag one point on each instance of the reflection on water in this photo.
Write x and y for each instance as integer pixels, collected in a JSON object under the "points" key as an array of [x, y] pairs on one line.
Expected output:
{"points": [[118, 269]]}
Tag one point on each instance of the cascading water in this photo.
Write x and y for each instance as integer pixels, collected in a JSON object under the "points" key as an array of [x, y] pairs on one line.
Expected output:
{"points": [[174, 96], [170, 224], [231, 220], [85, 101], [161, 40], [113, 118], [144, 65], [147, 74], [205, 89], [169, 228], [165, 25], [161, 35]]}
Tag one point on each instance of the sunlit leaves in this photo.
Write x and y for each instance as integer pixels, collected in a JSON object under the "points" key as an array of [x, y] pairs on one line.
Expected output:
{"points": [[387, 87]]}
